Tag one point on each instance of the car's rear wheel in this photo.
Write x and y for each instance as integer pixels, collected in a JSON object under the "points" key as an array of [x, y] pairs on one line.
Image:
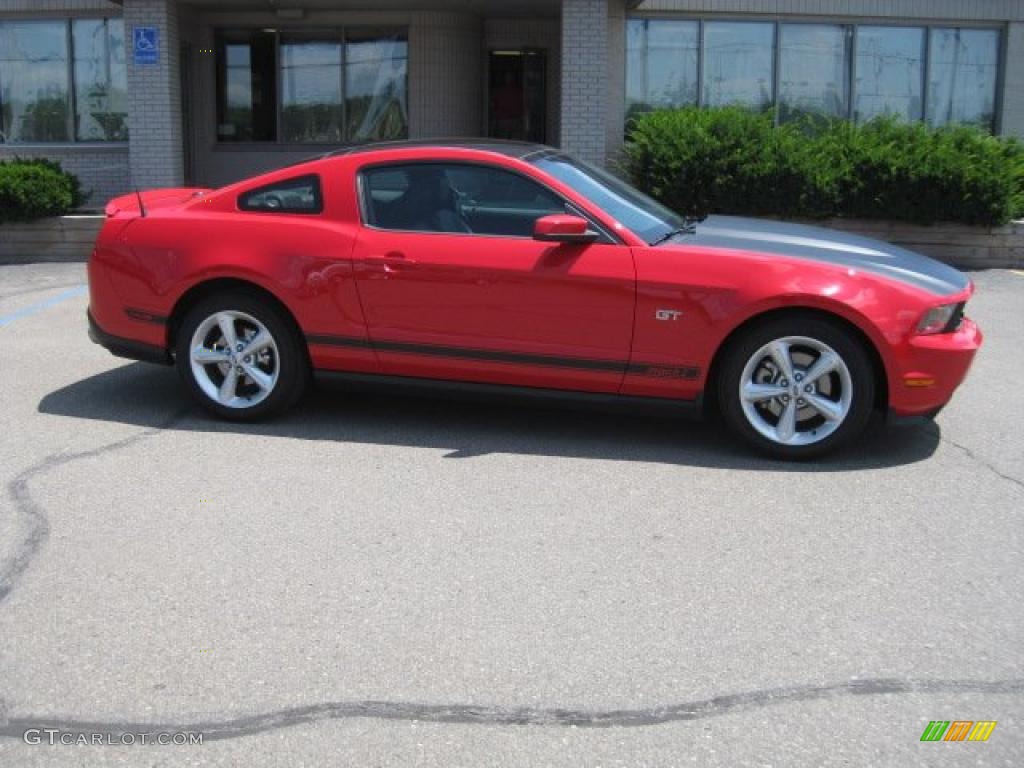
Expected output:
{"points": [[240, 357], [797, 387]]}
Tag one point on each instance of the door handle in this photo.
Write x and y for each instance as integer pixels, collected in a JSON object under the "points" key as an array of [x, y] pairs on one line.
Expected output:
{"points": [[387, 263]]}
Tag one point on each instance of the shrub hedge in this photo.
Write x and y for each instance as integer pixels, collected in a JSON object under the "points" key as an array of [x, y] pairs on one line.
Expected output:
{"points": [[732, 160], [31, 189]]}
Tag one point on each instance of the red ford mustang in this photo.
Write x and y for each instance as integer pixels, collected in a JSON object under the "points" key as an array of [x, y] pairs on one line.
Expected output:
{"points": [[514, 265]]}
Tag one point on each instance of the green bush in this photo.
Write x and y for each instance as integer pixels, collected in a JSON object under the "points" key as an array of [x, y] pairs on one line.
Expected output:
{"points": [[31, 189], [732, 160]]}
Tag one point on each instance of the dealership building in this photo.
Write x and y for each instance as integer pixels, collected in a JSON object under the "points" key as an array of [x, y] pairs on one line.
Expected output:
{"points": [[147, 93]]}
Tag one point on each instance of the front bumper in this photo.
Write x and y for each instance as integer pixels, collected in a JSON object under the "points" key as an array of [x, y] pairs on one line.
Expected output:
{"points": [[129, 348], [930, 369]]}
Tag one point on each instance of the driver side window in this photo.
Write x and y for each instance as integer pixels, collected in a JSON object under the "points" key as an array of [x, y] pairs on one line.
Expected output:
{"points": [[455, 197]]}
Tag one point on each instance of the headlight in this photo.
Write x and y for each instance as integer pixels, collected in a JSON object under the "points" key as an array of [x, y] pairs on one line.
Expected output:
{"points": [[944, 319]]}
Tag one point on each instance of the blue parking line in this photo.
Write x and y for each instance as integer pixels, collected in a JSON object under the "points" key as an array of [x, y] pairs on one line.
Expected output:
{"points": [[33, 309]]}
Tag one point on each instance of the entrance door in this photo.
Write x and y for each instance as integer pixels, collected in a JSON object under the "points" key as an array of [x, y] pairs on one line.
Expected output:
{"points": [[517, 85]]}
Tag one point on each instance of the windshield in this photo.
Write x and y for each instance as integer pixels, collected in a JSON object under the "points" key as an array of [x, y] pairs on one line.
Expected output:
{"points": [[633, 209]]}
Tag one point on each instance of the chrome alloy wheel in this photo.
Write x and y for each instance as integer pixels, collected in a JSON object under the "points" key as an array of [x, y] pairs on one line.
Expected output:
{"points": [[796, 390], [234, 359]]}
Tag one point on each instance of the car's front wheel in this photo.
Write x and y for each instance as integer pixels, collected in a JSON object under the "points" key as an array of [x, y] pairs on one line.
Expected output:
{"points": [[797, 387], [240, 357]]}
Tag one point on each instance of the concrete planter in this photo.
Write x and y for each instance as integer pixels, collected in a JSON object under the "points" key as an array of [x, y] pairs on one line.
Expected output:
{"points": [[957, 244], [70, 238], [61, 238]]}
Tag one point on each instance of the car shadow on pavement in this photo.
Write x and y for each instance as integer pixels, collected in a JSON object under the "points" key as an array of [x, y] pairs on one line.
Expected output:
{"points": [[148, 396]]}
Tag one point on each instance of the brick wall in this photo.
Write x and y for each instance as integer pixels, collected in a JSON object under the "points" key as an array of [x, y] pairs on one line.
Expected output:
{"points": [[154, 99], [102, 170], [585, 78]]}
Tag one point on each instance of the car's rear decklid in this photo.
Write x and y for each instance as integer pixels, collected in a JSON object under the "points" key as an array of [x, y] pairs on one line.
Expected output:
{"points": [[151, 199]]}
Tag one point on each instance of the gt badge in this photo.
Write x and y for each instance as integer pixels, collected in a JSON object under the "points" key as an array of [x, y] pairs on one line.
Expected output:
{"points": [[667, 314]]}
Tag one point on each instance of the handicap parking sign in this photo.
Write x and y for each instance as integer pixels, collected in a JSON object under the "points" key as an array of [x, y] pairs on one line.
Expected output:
{"points": [[146, 45]]}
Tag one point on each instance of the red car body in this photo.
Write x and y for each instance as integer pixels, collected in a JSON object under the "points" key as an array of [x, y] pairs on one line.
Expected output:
{"points": [[619, 316]]}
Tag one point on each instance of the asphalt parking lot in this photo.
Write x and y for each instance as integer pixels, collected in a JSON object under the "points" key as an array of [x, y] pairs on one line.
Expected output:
{"points": [[387, 580]]}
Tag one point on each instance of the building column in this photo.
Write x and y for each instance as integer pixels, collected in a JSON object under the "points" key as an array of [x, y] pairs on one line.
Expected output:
{"points": [[585, 79], [1012, 122], [155, 151]]}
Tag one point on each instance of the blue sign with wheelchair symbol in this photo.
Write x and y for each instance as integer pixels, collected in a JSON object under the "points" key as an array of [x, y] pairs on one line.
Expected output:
{"points": [[146, 45]]}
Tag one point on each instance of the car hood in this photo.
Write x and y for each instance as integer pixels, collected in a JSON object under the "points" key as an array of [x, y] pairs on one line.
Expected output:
{"points": [[829, 246]]}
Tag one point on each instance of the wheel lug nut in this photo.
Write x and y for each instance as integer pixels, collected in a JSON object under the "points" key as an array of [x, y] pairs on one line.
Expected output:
{"points": [[799, 377], [239, 347], [784, 383], [808, 388], [799, 401]]}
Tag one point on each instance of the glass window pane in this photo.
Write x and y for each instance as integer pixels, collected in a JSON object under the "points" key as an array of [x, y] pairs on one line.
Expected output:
{"points": [[246, 87], [661, 64], [101, 97], [34, 104], [468, 199], [649, 219], [813, 70], [738, 63], [890, 72], [311, 108], [962, 78], [375, 85], [299, 195]]}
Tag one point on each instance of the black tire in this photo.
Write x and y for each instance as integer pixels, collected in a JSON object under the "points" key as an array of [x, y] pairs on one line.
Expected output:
{"points": [[842, 341], [291, 358]]}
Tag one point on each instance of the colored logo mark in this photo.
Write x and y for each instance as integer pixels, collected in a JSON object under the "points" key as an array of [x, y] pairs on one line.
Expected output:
{"points": [[958, 730], [146, 45]]}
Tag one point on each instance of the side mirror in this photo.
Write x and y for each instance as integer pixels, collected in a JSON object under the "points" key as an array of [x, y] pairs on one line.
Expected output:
{"points": [[563, 228]]}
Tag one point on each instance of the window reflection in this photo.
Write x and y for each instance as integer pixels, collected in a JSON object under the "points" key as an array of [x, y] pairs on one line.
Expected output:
{"points": [[322, 86], [738, 63], [813, 67], [34, 104], [816, 65], [661, 64], [101, 88], [889, 72], [962, 79], [311, 108], [376, 70]]}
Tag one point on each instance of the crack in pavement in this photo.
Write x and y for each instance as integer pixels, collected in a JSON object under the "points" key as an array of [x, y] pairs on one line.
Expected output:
{"points": [[469, 714], [38, 529], [937, 433], [37, 526]]}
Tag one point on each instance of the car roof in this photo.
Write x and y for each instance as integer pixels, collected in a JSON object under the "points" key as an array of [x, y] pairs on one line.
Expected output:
{"points": [[516, 149]]}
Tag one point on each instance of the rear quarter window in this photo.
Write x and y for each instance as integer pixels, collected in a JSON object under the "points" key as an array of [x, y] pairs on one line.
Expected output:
{"points": [[299, 195]]}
